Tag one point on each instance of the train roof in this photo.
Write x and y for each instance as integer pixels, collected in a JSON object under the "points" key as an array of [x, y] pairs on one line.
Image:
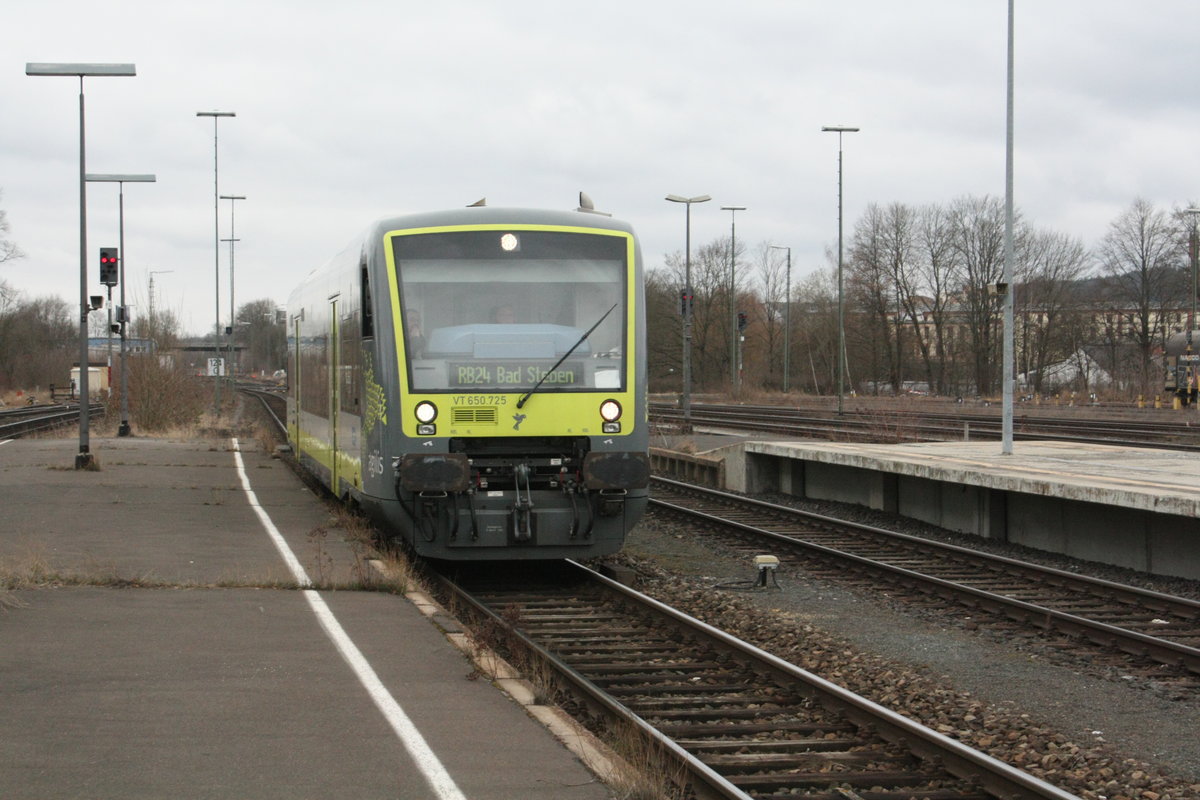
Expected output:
{"points": [[486, 215]]}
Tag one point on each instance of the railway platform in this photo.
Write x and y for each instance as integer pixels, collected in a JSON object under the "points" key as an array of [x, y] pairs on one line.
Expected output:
{"points": [[1132, 507], [157, 642]]}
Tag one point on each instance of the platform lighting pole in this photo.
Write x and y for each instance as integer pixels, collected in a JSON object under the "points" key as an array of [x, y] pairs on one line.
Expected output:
{"points": [[686, 400], [232, 198], [216, 252], [1193, 247], [121, 180], [734, 333], [841, 315], [787, 317], [1006, 432], [83, 459]]}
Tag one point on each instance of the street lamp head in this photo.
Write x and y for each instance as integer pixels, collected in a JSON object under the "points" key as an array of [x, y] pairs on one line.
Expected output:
{"points": [[733, 208], [839, 129], [233, 197], [81, 70], [216, 113], [703, 198], [91, 178]]}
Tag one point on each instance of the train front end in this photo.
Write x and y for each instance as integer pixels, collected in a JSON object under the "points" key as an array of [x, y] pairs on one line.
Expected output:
{"points": [[520, 366]]}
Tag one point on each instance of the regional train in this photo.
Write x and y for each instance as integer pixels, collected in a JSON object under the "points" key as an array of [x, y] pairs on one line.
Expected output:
{"points": [[475, 380], [1182, 362]]}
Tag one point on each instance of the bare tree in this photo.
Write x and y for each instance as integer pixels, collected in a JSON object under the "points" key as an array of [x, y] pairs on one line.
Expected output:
{"points": [[977, 239], [1044, 299], [264, 340], [36, 343], [931, 294], [772, 279], [1141, 256], [8, 248], [870, 289], [900, 248]]}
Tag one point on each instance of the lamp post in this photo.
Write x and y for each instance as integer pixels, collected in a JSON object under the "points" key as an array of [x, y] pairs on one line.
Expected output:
{"points": [[123, 316], [1193, 246], [734, 333], [787, 317], [687, 308], [83, 459], [232, 198], [841, 354], [1006, 391], [216, 251]]}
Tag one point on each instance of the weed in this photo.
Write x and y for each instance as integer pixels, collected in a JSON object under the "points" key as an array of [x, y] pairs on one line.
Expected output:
{"points": [[645, 770], [322, 562]]}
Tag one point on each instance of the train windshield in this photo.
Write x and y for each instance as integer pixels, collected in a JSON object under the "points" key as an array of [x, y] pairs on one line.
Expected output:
{"points": [[495, 311]]}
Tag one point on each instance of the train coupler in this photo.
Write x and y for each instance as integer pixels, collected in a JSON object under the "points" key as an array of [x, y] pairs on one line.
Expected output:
{"points": [[522, 507]]}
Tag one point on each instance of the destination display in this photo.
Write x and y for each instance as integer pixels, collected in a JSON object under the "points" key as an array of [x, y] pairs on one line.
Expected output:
{"points": [[515, 374]]}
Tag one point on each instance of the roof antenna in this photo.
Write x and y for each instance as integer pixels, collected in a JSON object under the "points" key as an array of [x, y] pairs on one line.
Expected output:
{"points": [[480, 203], [588, 207]]}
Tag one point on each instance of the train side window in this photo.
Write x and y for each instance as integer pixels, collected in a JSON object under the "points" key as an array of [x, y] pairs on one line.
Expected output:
{"points": [[368, 315]]}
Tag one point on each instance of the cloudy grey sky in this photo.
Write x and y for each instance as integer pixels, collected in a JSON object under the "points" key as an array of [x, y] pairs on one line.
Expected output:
{"points": [[353, 110]]}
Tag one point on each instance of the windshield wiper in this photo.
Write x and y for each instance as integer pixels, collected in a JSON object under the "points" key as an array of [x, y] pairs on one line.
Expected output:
{"points": [[565, 356]]}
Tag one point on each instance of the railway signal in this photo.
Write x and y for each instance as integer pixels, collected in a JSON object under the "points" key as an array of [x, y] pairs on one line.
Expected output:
{"points": [[108, 266]]}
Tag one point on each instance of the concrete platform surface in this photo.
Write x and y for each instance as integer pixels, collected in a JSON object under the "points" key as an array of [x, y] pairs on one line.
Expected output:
{"points": [[1161, 481], [156, 645]]}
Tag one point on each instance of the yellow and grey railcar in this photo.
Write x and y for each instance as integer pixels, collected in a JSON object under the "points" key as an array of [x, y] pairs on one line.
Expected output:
{"points": [[475, 380], [1182, 362]]}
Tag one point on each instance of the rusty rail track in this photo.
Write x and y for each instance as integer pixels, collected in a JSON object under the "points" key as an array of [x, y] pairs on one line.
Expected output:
{"points": [[738, 722], [18, 422], [1136, 621]]}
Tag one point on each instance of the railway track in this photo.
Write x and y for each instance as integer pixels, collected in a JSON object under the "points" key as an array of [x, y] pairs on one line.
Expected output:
{"points": [[910, 426], [1161, 629], [732, 720], [18, 422]]}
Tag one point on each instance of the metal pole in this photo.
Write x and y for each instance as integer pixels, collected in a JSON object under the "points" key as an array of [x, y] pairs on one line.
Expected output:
{"points": [[1006, 446], [787, 316], [1193, 246], [734, 333], [120, 180], [686, 399], [232, 198], [841, 354], [216, 252], [123, 428], [787, 325], [687, 324], [841, 364], [84, 458]]}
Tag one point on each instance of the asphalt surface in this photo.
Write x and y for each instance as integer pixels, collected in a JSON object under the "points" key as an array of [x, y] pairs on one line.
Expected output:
{"points": [[157, 645]]}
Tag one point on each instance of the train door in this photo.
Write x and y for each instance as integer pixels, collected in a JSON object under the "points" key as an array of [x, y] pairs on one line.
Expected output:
{"points": [[335, 402]]}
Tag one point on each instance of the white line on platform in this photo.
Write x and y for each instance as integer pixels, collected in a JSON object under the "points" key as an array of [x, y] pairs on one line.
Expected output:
{"points": [[427, 761]]}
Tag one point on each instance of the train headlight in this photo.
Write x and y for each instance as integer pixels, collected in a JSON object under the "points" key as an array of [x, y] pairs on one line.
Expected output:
{"points": [[510, 243], [426, 411], [610, 412]]}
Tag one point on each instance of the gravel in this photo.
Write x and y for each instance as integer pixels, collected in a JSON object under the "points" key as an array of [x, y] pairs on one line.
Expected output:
{"points": [[1079, 724]]}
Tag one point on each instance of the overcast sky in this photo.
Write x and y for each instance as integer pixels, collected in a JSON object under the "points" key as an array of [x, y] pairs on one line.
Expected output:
{"points": [[354, 110]]}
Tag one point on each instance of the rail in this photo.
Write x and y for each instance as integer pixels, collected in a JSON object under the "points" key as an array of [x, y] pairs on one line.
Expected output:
{"points": [[705, 698]]}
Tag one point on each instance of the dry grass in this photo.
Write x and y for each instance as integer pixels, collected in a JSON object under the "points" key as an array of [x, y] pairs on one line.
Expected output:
{"points": [[647, 771]]}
